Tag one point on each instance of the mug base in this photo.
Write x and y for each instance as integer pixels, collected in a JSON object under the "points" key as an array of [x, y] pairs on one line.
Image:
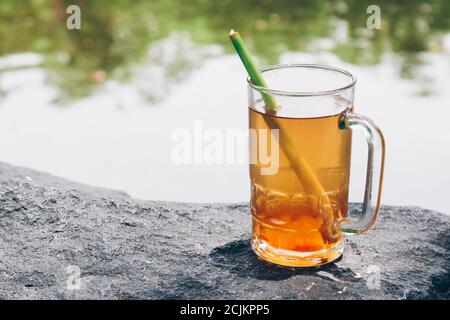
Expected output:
{"points": [[296, 258]]}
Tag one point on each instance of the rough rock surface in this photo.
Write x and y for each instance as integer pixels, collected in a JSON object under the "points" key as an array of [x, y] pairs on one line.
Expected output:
{"points": [[132, 249]]}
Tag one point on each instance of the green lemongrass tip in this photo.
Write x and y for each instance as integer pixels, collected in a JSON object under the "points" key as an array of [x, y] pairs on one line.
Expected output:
{"points": [[252, 69]]}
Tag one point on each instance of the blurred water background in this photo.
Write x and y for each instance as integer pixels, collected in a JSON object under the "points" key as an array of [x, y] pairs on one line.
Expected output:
{"points": [[99, 105]]}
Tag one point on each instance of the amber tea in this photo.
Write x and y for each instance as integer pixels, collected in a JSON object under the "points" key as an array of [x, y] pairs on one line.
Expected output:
{"points": [[286, 215]]}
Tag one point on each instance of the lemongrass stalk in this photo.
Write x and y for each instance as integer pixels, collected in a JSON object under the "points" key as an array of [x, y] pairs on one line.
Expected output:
{"points": [[252, 69], [307, 178], [300, 166]]}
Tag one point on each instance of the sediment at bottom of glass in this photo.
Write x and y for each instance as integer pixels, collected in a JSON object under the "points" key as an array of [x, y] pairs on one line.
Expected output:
{"points": [[296, 258]]}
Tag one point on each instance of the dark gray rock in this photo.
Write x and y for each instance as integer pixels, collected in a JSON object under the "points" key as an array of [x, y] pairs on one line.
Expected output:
{"points": [[131, 249]]}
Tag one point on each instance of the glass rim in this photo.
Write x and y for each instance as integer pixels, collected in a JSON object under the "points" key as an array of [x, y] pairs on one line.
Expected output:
{"points": [[303, 93]]}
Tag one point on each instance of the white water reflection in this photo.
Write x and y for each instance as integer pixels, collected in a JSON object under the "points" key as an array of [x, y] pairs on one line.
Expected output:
{"points": [[116, 139]]}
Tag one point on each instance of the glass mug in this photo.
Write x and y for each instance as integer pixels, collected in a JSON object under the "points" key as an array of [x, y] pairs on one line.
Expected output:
{"points": [[300, 164]]}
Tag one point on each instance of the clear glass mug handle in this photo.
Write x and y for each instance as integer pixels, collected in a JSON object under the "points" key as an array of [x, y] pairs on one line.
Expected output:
{"points": [[374, 175]]}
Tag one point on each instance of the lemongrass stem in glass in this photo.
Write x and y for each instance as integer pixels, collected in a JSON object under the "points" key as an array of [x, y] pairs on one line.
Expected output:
{"points": [[300, 166]]}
